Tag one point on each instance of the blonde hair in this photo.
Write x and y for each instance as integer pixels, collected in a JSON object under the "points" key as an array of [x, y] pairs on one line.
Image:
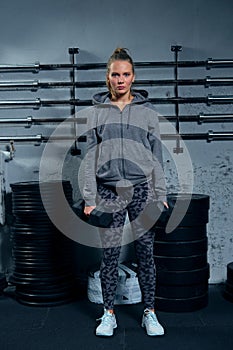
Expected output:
{"points": [[119, 54]]}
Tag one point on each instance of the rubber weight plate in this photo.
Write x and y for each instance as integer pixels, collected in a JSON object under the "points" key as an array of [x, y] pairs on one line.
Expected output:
{"points": [[230, 272], [197, 211], [180, 292], [229, 288], [197, 203], [181, 248], [181, 263], [183, 277], [181, 304], [181, 233]]}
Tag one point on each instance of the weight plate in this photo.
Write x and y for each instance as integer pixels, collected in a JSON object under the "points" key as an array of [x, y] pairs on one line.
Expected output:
{"points": [[181, 248], [45, 288], [180, 292], [181, 304], [228, 296], [33, 279], [181, 233], [230, 272], [196, 214], [45, 303], [181, 263], [183, 277], [196, 202], [229, 288]]}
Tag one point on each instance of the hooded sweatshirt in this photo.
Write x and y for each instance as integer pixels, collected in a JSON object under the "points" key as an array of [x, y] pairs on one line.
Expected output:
{"points": [[123, 146]]}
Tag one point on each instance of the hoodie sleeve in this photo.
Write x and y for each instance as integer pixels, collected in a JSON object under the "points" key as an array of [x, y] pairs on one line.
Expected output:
{"points": [[156, 149], [90, 186]]}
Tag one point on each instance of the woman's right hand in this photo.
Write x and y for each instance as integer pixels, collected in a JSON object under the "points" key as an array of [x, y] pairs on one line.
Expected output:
{"points": [[88, 210]]}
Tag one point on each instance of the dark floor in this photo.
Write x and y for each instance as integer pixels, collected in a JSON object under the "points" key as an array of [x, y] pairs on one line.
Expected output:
{"points": [[71, 326]]}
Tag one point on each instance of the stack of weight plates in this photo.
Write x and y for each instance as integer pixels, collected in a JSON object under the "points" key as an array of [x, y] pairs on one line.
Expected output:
{"points": [[228, 292], [181, 257], [42, 269]]}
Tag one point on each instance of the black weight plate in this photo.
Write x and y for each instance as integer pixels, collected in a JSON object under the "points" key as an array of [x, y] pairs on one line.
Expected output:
{"points": [[35, 243], [37, 274], [29, 184], [196, 202], [33, 238], [32, 235], [20, 201], [45, 303], [229, 288], [23, 254], [29, 211], [181, 233], [192, 220], [45, 288], [196, 214], [29, 219], [180, 292], [37, 253], [43, 297], [183, 277], [181, 305], [33, 279], [180, 248], [45, 231], [18, 223], [41, 264], [228, 296], [181, 263], [230, 272]]}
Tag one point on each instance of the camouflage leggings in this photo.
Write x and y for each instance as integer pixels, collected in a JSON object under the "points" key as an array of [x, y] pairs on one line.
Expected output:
{"points": [[131, 200]]}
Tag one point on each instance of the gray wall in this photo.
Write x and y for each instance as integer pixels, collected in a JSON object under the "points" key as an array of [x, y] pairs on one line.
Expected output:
{"points": [[43, 31]]}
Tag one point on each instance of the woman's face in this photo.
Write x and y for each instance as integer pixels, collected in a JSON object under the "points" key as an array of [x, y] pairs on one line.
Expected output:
{"points": [[120, 78]]}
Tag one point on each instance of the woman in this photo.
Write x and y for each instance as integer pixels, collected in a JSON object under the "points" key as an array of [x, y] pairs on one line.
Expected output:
{"points": [[123, 174]]}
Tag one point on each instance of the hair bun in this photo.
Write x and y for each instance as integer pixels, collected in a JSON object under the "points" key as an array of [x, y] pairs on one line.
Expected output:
{"points": [[120, 50]]}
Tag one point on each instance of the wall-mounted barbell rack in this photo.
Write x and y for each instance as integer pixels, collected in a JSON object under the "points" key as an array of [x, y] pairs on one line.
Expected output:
{"points": [[74, 102]]}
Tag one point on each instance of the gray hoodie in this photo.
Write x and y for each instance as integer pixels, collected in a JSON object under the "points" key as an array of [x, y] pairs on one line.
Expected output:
{"points": [[123, 145]]}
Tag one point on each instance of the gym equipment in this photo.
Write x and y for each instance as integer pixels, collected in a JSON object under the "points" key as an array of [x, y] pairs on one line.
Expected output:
{"points": [[74, 102], [128, 289], [98, 217], [228, 289], [41, 255], [182, 271]]}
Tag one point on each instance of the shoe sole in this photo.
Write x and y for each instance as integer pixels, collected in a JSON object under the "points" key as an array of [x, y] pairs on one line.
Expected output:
{"points": [[106, 335], [152, 334]]}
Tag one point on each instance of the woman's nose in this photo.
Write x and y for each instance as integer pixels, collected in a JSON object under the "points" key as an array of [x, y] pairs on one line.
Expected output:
{"points": [[120, 80]]}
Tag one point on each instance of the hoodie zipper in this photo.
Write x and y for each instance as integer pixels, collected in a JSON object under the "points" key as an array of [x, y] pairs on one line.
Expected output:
{"points": [[122, 146]]}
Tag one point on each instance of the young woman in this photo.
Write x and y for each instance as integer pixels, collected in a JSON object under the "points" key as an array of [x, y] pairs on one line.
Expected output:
{"points": [[123, 174]]}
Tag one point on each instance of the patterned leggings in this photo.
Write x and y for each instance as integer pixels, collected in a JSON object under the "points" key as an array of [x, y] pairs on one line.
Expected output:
{"points": [[131, 200]]}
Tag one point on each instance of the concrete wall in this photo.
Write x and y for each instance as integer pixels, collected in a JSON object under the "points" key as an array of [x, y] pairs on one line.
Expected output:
{"points": [[43, 31]]}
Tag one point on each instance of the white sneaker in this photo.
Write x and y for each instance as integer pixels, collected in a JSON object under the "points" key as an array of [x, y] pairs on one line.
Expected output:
{"points": [[150, 321], [107, 325]]}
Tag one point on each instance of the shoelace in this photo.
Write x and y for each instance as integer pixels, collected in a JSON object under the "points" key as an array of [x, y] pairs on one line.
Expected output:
{"points": [[152, 316], [105, 318]]}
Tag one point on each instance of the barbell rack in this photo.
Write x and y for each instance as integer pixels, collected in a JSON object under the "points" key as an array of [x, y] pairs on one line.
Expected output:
{"points": [[39, 138], [34, 85], [201, 118], [38, 103], [74, 101], [37, 66]]}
